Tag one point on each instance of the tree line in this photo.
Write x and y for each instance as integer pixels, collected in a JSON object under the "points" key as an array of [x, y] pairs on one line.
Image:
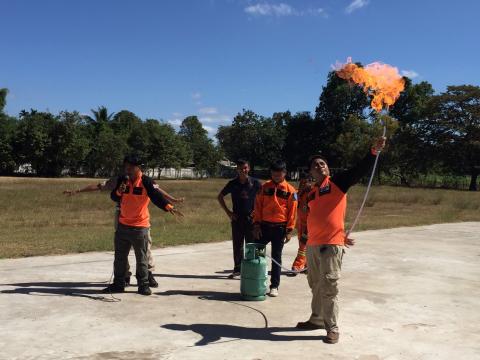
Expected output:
{"points": [[429, 134]]}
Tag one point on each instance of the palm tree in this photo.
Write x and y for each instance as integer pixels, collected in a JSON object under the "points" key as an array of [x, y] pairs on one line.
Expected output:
{"points": [[100, 116]]}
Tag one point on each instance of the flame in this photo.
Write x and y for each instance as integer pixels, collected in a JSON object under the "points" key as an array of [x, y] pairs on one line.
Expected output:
{"points": [[381, 81]]}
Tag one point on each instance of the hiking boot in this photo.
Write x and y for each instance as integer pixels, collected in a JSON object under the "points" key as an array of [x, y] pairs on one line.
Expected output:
{"points": [[308, 325], [144, 290], [151, 280], [331, 338], [273, 292], [113, 289]]}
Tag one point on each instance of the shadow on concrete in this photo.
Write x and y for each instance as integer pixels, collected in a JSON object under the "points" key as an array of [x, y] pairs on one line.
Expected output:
{"points": [[224, 272], [212, 333], [87, 290], [204, 295], [191, 276]]}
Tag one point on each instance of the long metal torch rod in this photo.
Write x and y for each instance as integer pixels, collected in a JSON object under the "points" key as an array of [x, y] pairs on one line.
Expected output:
{"points": [[360, 210]]}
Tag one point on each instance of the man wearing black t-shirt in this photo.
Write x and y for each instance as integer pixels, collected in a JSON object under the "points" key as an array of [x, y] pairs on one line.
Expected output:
{"points": [[243, 190]]}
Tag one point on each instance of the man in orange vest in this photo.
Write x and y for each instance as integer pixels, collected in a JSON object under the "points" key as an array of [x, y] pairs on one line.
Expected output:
{"points": [[109, 185], [327, 203], [134, 192], [304, 188], [274, 217]]}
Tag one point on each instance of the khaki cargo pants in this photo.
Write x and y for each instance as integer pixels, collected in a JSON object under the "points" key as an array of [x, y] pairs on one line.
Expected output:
{"points": [[324, 265], [150, 260]]}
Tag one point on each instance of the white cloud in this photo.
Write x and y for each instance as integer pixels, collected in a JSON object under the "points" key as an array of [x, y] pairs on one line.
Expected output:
{"points": [[177, 114], [208, 111], [175, 122], [355, 5], [412, 74], [196, 96], [265, 9], [211, 130], [217, 119], [281, 9]]}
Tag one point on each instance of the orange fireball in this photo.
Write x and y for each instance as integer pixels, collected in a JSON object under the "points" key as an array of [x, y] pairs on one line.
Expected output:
{"points": [[381, 81]]}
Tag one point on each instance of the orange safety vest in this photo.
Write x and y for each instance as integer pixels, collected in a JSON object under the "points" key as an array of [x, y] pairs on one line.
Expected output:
{"points": [[276, 203], [327, 204], [135, 200]]}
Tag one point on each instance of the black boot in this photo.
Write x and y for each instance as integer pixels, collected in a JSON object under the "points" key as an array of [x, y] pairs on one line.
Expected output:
{"points": [[144, 290], [151, 280], [113, 289]]}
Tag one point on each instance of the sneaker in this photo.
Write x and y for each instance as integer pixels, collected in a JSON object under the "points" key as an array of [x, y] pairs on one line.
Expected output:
{"points": [[308, 325], [144, 290], [234, 274], [331, 338], [273, 292], [151, 280], [113, 289]]}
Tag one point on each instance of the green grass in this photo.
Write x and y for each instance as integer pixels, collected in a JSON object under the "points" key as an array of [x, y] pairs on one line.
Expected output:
{"points": [[37, 219]]}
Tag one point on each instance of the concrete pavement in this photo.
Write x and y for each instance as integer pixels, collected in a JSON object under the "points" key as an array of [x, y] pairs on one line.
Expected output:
{"points": [[406, 293]]}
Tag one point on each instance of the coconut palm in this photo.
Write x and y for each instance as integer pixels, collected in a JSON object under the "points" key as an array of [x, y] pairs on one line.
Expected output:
{"points": [[100, 116]]}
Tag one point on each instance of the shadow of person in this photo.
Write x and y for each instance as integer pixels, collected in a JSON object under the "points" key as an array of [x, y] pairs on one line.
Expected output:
{"points": [[77, 289], [191, 276], [224, 272], [212, 333], [59, 284], [203, 294]]}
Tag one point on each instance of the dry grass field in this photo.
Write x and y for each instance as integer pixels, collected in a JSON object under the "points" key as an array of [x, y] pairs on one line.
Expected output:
{"points": [[37, 219]]}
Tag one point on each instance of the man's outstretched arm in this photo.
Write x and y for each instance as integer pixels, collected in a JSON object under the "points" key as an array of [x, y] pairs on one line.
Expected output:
{"points": [[158, 198], [346, 179], [88, 188]]}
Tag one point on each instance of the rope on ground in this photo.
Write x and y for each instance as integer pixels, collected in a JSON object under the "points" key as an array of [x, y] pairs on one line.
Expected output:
{"points": [[114, 298], [284, 268]]}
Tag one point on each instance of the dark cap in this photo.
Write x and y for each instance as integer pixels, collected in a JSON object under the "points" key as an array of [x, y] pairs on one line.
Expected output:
{"points": [[315, 157], [133, 160], [278, 165]]}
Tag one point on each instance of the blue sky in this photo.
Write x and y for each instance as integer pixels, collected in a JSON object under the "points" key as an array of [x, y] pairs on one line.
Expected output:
{"points": [[167, 59]]}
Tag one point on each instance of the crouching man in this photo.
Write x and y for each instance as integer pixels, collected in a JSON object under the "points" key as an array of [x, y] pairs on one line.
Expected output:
{"points": [[327, 203], [133, 192]]}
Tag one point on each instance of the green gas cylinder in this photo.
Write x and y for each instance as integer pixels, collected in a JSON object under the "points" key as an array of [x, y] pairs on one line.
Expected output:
{"points": [[254, 273]]}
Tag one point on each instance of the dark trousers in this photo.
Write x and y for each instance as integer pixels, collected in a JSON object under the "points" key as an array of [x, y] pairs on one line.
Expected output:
{"points": [[242, 231], [274, 234], [126, 237]]}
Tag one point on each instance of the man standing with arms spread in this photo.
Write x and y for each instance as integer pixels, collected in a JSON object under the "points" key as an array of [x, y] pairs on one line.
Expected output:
{"points": [[274, 217], [134, 192], [243, 189], [109, 185], [327, 204]]}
